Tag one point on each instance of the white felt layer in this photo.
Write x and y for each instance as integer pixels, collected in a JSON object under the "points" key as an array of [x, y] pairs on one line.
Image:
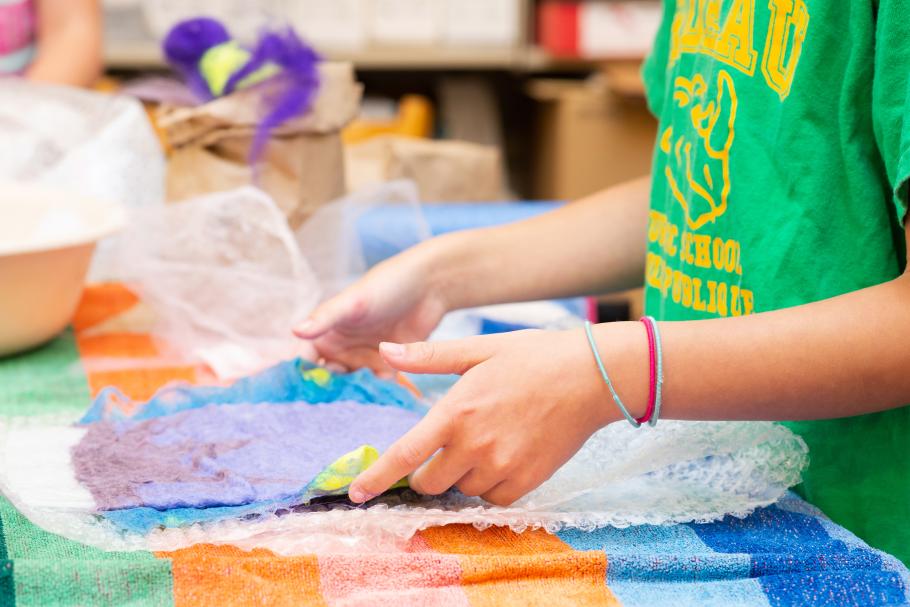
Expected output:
{"points": [[37, 467]]}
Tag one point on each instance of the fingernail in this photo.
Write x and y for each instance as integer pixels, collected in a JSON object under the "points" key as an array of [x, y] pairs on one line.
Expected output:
{"points": [[391, 349], [304, 327], [358, 496]]}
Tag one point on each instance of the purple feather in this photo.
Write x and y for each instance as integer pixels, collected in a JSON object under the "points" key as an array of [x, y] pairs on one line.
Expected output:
{"points": [[296, 85], [185, 45]]}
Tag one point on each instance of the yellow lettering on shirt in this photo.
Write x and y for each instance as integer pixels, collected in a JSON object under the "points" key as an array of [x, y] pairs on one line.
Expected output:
{"points": [[696, 144], [702, 250], [664, 233], [737, 35], [704, 27], [715, 297], [786, 32], [693, 250], [699, 27]]}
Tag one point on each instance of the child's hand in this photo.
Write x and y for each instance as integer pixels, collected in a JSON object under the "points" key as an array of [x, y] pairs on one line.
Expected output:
{"points": [[526, 403], [394, 301]]}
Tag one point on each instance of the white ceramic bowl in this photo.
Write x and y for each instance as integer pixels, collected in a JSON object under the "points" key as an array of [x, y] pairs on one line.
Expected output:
{"points": [[47, 238]]}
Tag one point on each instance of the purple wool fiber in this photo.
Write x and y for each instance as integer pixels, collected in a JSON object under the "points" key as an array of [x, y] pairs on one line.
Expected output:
{"points": [[299, 82], [295, 85], [227, 456], [185, 45]]}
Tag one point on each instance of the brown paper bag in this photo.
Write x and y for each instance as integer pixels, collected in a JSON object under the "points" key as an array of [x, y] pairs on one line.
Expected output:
{"points": [[302, 166], [444, 171]]}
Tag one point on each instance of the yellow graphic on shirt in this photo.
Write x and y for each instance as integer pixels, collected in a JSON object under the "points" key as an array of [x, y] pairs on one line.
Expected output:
{"points": [[786, 32], [724, 30], [694, 268], [698, 163], [699, 27]]}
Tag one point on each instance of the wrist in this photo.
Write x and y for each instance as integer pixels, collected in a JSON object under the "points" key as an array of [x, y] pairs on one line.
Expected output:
{"points": [[448, 263], [623, 349]]}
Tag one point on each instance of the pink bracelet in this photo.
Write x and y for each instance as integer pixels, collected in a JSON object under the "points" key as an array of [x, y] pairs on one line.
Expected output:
{"points": [[652, 372]]}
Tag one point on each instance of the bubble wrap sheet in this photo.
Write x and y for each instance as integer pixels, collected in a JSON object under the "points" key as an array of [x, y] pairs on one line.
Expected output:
{"points": [[674, 473]]}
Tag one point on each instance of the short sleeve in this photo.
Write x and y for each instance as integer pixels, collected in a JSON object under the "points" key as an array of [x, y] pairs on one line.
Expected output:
{"points": [[891, 97], [654, 69]]}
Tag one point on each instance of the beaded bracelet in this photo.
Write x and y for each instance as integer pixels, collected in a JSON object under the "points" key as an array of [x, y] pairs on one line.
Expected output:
{"points": [[655, 374]]}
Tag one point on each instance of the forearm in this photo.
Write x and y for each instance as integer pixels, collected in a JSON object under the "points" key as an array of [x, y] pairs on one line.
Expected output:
{"points": [[840, 357], [594, 245], [69, 42]]}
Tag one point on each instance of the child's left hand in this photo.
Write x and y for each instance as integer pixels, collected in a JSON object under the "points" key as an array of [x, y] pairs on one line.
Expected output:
{"points": [[526, 402]]}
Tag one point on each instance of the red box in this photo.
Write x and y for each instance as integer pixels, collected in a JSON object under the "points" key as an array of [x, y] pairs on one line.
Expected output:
{"points": [[557, 27]]}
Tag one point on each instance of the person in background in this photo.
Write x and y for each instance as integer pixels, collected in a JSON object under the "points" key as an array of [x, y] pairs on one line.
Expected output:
{"points": [[772, 241], [56, 41]]}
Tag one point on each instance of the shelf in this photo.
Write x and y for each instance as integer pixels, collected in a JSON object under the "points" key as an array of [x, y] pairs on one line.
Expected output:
{"points": [[146, 55], [129, 47], [124, 55], [434, 58]]}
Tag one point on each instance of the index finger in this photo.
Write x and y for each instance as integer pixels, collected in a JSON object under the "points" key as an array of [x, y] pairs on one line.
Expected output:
{"points": [[403, 457]]}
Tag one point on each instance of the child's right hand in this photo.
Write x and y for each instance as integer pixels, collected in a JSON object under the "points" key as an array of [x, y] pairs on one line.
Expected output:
{"points": [[395, 301]]}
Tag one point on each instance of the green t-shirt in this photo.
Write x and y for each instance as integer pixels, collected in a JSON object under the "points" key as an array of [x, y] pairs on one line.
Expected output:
{"points": [[779, 178]]}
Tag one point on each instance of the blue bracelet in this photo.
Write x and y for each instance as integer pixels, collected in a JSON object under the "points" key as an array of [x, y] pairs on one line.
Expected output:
{"points": [[660, 371], [603, 373]]}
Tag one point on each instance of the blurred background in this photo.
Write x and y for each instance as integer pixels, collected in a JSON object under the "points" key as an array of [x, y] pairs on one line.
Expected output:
{"points": [[423, 117], [548, 90]]}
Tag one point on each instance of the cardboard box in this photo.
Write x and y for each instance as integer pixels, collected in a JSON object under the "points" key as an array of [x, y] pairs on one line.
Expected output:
{"points": [[444, 171], [588, 137]]}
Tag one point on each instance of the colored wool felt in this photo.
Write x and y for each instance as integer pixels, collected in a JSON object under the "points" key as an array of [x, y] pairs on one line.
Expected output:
{"points": [[287, 382], [274, 440], [217, 456], [213, 64]]}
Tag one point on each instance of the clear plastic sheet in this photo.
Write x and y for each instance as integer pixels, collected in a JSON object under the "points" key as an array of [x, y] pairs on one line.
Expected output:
{"points": [[330, 240], [677, 472]]}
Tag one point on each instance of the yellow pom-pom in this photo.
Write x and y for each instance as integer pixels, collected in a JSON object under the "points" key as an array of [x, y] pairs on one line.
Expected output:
{"points": [[223, 60]]}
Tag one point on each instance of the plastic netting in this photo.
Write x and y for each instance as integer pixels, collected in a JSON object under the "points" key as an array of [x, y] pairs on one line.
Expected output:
{"points": [[227, 278]]}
